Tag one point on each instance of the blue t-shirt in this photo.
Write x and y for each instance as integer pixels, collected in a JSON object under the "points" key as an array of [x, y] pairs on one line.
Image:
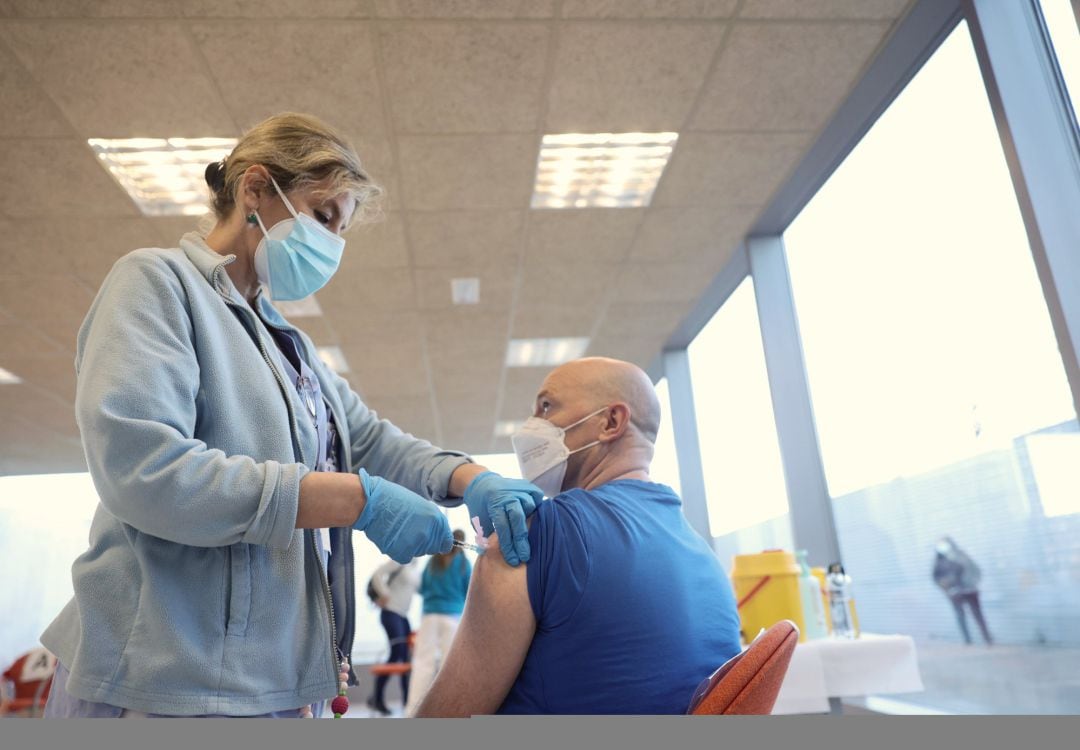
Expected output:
{"points": [[632, 607], [444, 590]]}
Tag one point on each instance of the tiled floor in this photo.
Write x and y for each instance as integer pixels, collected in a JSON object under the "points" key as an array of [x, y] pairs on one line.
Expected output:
{"points": [[998, 679]]}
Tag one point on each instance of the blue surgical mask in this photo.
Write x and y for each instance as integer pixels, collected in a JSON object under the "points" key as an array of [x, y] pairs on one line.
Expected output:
{"points": [[297, 256]]}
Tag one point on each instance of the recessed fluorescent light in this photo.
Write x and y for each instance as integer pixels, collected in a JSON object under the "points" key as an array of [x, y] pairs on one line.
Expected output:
{"points": [[465, 291], [507, 427], [308, 307], [164, 176], [613, 170], [333, 358], [544, 352], [8, 378]]}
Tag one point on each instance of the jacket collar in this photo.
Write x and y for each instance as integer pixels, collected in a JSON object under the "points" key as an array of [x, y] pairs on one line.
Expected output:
{"points": [[212, 265]]}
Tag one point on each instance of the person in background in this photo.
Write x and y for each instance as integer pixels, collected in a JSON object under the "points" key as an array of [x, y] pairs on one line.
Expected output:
{"points": [[958, 576], [443, 587], [233, 466], [623, 608], [395, 586], [25, 684]]}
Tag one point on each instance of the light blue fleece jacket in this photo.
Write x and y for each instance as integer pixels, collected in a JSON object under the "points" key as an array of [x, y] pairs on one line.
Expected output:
{"points": [[197, 595]]}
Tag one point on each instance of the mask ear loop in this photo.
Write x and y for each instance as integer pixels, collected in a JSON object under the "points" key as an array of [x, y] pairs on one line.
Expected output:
{"points": [[284, 199]]}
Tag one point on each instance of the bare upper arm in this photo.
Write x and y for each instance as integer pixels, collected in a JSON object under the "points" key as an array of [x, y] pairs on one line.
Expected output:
{"points": [[492, 640]]}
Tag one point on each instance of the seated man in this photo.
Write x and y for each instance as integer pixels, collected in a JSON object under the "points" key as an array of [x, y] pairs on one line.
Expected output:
{"points": [[622, 608]]}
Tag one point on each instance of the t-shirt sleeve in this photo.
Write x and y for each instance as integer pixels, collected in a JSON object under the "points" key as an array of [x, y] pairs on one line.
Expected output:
{"points": [[558, 568]]}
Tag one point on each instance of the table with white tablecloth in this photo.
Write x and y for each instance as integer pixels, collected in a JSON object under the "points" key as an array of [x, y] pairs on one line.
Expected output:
{"points": [[825, 670]]}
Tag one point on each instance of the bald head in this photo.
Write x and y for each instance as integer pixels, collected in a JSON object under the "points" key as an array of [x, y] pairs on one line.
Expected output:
{"points": [[594, 382]]}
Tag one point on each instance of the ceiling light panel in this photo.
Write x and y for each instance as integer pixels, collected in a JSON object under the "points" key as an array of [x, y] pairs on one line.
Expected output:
{"points": [[544, 352], [608, 170], [163, 176], [507, 427], [334, 358], [8, 378]]}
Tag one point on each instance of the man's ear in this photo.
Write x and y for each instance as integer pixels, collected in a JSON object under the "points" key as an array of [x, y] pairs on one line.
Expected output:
{"points": [[617, 421]]}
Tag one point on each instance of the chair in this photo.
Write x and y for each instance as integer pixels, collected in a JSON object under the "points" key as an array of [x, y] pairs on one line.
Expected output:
{"points": [[748, 683]]}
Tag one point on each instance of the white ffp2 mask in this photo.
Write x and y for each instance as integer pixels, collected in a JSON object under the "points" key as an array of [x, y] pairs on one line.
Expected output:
{"points": [[542, 454]]}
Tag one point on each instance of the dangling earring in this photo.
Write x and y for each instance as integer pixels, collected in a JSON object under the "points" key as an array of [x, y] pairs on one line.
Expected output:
{"points": [[252, 219]]}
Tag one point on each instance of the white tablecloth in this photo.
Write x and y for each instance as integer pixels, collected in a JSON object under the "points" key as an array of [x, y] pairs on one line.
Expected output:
{"points": [[840, 668]]}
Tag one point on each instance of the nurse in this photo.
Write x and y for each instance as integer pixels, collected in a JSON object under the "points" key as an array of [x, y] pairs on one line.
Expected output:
{"points": [[232, 466]]}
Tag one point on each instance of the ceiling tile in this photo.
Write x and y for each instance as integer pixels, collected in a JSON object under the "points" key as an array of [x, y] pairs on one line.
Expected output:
{"points": [[623, 77], [519, 391], [49, 385], [382, 369], [467, 171], [263, 9], [464, 238], [462, 338], [636, 349], [411, 414], [836, 9], [463, 8], [356, 289], [602, 235], [87, 8], [327, 70], [320, 331], [366, 325], [726, 169], [647, 319], [648, 8], [56, 305], [31, 183], [663, 282], [19, 341], [28, 111], [134, 90], [32, 404], [496, 286], [465, 78], [775, 76], [687, 235], [85, 247], [169, 229], [380, 243], [549, 320], [577, 285]]}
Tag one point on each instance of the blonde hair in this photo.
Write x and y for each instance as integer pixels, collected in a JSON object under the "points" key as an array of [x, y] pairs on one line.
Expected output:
{"points": [[298, 150]]}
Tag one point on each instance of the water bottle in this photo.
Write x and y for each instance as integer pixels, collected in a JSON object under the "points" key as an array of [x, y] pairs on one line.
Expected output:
{"points": [[838, 586], [814, 622]]}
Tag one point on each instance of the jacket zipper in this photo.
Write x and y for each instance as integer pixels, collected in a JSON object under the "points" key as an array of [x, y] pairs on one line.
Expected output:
{"points": [[310, 536]]}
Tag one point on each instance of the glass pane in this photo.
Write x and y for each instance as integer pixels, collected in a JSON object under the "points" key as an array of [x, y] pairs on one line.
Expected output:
{"points": [[744, 479], [941, 401], [1064, 26], [665, 463]]}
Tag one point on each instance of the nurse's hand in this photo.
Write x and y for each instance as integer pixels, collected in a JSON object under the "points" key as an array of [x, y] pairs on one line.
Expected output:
{"points": [[503, 505], [402, 524]]}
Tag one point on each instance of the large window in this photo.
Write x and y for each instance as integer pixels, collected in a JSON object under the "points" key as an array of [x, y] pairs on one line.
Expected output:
{"points": [[744, 478], [941, 402]]}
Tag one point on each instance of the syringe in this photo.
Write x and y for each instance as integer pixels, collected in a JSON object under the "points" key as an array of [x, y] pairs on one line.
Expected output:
{"points": [[465, 545]]}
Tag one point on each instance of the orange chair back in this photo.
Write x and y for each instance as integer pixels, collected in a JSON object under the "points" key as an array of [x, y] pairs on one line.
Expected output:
{"points": [[748, 683]]}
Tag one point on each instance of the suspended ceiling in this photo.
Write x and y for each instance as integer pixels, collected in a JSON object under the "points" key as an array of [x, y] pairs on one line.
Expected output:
{"points": [[447, 101]]}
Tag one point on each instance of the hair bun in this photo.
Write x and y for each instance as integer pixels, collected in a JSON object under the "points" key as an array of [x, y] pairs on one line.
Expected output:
{"points": [[215, 175]]}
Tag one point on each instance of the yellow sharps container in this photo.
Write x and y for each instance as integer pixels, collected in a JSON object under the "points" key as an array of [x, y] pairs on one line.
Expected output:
{"points": [[767, 589]]}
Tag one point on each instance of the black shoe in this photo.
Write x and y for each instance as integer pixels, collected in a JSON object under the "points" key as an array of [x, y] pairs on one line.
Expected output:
{"points": [[379, 706]]}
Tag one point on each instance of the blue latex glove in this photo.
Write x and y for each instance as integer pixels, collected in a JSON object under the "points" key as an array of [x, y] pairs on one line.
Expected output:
{"points": [[503, 505], [401, 523]]}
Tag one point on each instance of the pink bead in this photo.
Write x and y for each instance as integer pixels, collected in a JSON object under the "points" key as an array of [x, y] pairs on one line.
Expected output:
{"points": [[343, 676], [340, 705]]}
